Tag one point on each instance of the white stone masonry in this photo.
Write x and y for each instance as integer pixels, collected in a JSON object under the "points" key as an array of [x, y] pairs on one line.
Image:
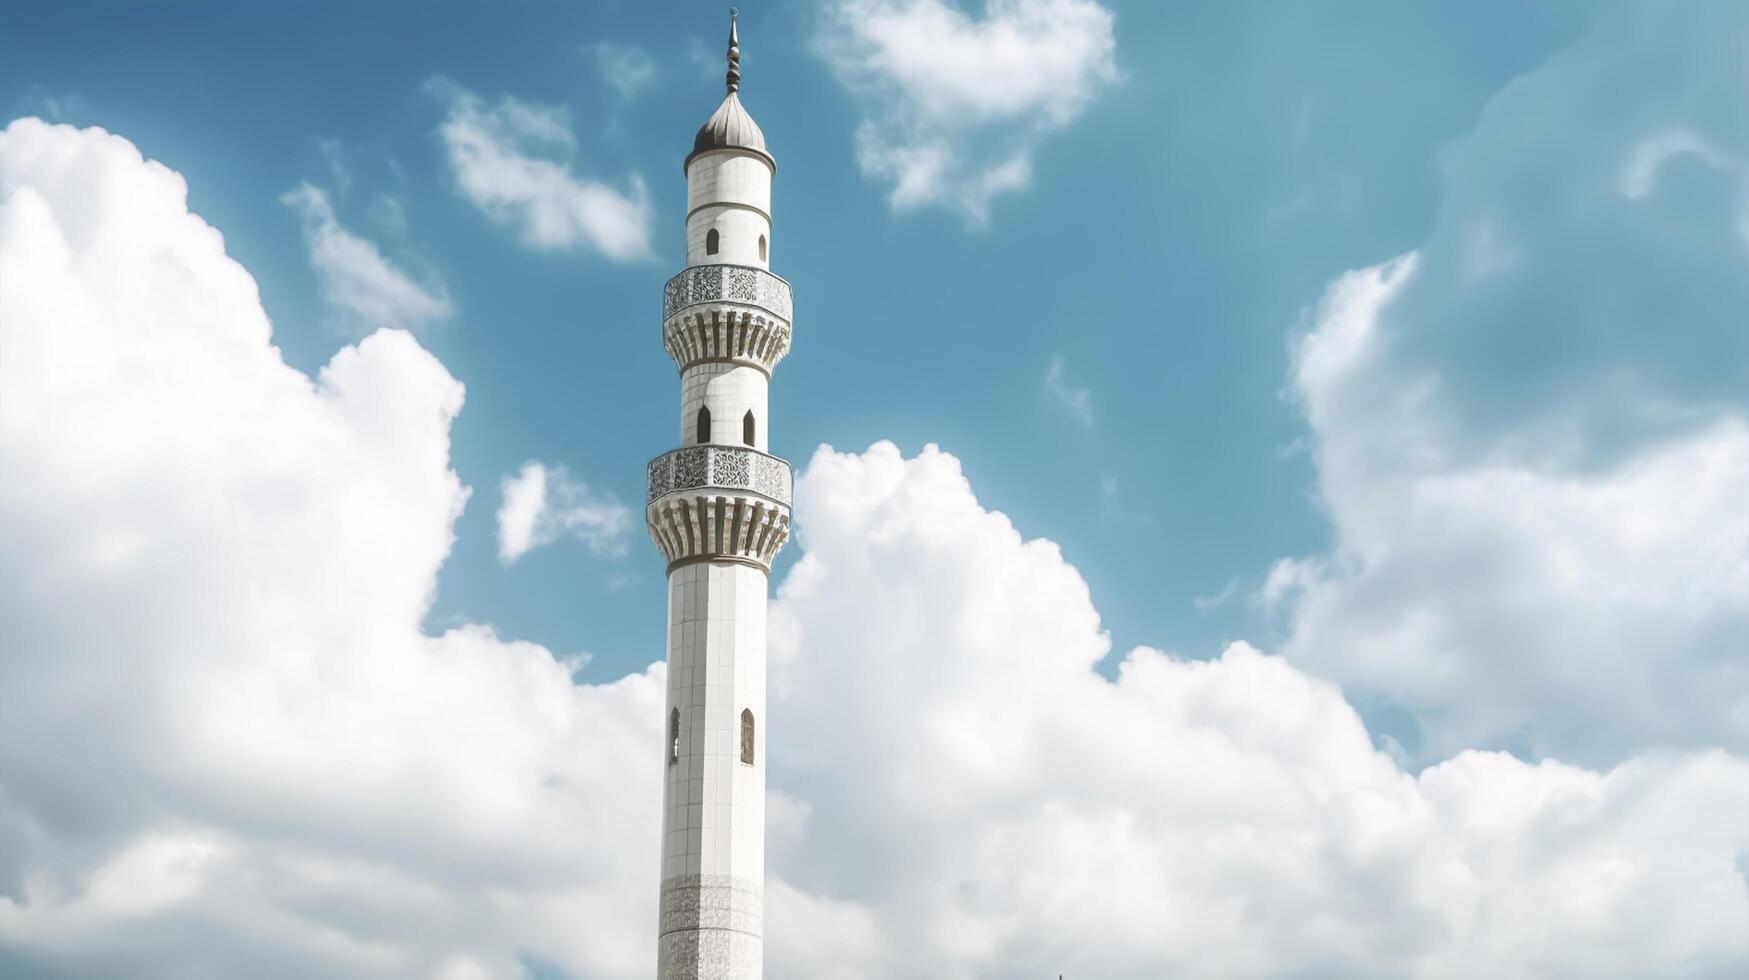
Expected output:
{"points": [[718, 509]]}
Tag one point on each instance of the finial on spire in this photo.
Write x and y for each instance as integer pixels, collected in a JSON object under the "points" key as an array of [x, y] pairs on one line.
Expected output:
{"points": [[734, 76]]}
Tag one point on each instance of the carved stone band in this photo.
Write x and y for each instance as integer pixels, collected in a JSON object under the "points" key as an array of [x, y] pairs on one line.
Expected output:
{"points": [[726, 334], [711, 927], [720, 468], [741, 284], [712, 902], [716, 526]]}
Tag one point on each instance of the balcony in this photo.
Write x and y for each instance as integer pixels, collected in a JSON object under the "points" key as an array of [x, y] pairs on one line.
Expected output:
{"points": [[700, 284], [720, 468]]}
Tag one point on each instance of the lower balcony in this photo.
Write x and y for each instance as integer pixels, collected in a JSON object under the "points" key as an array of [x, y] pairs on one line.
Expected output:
{"points": [[719, 504]]}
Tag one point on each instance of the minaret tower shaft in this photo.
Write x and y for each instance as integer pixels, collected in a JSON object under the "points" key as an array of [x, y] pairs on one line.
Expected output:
{"points": [[719, 510]]}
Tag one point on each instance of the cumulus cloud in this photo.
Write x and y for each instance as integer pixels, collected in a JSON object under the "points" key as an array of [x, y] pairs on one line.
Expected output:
{"points": [[1012, 812], [1532, 434], [515, 161], [227, 748], [363, 289], [543, 503], [954, 103]]}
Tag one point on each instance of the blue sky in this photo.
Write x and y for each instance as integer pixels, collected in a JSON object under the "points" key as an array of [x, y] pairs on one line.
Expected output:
{"points": [[1335, 560], [1171, 237]]}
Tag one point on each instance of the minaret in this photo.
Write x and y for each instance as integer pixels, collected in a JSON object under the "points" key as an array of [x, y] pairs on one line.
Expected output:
{"points": [[719, 510]]}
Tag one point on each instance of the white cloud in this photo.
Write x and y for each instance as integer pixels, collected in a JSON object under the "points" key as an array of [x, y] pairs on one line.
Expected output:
{"points": [[541, 504], [228, 749], [1532, 433], [514, 160], [1076, 401], [226, 746], [1011, 812], [1586, 612], [626, 67], [956, 103], [364, 290]]}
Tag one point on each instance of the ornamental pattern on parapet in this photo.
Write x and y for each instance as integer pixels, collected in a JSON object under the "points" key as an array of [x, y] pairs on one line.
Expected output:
{"points": [[771, 476], [728, 467], [691, 468], [661, 475], [727, 284]]}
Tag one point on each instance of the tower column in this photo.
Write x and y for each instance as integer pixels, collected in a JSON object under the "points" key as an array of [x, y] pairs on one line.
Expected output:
{"points": [[713, 859], [718, 509]]}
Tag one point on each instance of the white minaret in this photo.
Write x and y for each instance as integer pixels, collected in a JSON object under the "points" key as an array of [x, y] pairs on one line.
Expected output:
{"points": [[719, 512]]}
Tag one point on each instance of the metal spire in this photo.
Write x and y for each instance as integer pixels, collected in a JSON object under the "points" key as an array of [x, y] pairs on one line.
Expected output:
{"points": [[734, 76]]}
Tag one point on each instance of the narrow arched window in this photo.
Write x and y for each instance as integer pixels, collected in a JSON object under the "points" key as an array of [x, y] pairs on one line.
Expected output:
{"points": [[674, 735], [762, 248], [746, 736], [747, 428], [704, 424], [710, 242]]}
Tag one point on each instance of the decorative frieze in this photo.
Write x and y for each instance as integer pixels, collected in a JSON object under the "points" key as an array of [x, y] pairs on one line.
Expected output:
{"points": [[741, 284], [710, 954], [710, 928], [711, 902], [720, 468]]}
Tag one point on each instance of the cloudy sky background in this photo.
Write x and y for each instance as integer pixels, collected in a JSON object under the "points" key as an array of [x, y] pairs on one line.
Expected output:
{"points": [[1271, 487]]}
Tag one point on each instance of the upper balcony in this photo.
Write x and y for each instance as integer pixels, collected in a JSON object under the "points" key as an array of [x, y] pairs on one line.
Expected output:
{"points": [[700, 284], [714, 467]]}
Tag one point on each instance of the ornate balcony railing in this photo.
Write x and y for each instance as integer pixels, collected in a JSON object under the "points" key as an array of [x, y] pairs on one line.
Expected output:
{"points": [[726, 284], [720, 467]]}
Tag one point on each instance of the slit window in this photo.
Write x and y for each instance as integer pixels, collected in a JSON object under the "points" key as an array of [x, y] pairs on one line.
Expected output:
{"points": [[704, 424], [762, 248], [746, 736], [710, 242], [747, 428], [673, 735]]}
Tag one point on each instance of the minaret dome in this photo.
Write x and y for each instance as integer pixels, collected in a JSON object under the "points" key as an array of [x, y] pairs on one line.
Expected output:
{"points": [[731, 127], [728, 182]]}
